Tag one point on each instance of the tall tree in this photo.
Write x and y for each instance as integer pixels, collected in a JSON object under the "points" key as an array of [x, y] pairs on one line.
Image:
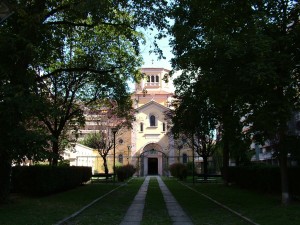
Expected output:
{"points": [[50, 41], [278, 26], [205, 42], [246, 51]]}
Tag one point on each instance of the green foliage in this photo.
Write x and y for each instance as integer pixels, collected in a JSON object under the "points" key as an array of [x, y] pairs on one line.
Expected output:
{"points": [[64, 163], [179, 171], [44, 180], [125, 172], [58, 57], [246, 56], [65, 56], [91, 140]]}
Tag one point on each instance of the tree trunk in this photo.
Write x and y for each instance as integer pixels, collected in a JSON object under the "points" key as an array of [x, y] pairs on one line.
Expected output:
{"points": [[55, 152], [5, 170], [105, 166], [225, 160], [205, 166], [285, 194]]}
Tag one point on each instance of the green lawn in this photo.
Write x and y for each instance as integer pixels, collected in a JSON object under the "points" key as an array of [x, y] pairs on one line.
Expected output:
{"points": [[110, 210], [24, 210], [260, 208]]}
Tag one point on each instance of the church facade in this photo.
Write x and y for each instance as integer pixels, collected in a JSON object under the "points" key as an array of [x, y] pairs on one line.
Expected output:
{"points": [[152, 147]]}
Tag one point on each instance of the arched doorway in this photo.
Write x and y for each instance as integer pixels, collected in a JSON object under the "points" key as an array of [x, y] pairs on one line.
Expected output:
{"points": [[153, 161]]}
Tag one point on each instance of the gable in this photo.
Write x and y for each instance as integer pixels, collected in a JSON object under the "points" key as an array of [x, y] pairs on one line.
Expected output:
{"points": [[152, 105]]}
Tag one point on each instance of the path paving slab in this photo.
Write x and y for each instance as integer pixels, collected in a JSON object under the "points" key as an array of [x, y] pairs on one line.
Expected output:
{"points": [[134, 213], [175, 211]]}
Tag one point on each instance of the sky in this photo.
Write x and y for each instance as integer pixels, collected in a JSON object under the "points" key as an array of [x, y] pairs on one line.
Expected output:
{"points": [[151, 60]]}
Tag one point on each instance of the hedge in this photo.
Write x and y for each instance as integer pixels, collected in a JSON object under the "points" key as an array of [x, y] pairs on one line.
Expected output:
{"points": [[125, 172], [264, 178], [179, 171], [43, 180]]}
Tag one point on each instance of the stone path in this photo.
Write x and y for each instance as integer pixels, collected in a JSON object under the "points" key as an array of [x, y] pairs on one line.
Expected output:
{"points": [[134, 214], [175, 211]]}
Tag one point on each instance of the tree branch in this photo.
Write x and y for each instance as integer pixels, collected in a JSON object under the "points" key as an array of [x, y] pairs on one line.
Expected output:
{"points": [[69, 23], [60, 8], [76, 69], [64, 22]]}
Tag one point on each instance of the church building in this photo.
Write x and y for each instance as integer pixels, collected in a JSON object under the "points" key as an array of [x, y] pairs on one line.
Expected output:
{"points": [[148, 146], [152, 148]]}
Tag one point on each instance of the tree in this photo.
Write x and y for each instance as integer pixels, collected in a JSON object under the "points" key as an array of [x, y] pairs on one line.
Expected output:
{"points": [[103, 143], [279, 27], [194, 116], [247, 53], [109, 116], [51, 41], [206, 43]]}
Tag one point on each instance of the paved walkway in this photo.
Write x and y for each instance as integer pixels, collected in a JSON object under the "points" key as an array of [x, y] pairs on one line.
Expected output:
{"points": [[134, 214]]}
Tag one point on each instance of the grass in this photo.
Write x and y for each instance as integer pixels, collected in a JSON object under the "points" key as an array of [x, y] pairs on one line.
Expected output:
{"points": [[155, 211], [26, 210], [201, 210], [110, 210], [260, 208]]}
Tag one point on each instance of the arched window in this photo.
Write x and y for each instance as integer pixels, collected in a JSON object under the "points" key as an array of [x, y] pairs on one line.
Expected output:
{"points": [[164, 126], [148, 79], [120, 158], [184, 158], [157, 79], [152, 79], [152, 121], [141, 127]]}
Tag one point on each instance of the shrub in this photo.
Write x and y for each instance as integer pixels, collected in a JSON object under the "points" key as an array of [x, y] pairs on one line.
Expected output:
{"points": [[179, 170], [64, 162], [125, 172], [43, 180]]}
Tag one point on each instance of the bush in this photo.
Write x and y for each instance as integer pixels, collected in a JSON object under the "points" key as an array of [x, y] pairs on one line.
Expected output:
{"points": [[264, 178], [125, 172], [179, 170], [43, 180], [64, 162]]}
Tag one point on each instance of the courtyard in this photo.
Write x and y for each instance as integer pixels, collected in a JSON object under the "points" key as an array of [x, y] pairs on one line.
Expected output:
{"points": [[108, 203]]}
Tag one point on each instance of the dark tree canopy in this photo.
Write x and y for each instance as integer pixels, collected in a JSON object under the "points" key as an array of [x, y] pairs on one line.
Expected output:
{"points": [[247, 55]]}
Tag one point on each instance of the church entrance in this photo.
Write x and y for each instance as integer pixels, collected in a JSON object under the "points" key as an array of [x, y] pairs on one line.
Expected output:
{"points": [[152, 166], [153, 161]]}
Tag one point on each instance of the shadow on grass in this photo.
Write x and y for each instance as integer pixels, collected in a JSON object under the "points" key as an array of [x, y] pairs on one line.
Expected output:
{"points": [[260, 208]]}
